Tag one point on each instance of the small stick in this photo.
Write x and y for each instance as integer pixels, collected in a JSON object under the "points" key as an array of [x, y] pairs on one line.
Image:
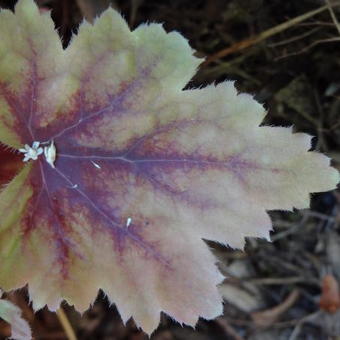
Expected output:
{"points": [[228, 329], [334, 18], [265, 34], [293, 39], [305, 49], [66, 324]]}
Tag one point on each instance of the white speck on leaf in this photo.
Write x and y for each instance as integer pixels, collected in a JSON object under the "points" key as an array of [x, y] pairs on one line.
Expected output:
{"points": [[96, 165], [128, 221], [50, 154]]}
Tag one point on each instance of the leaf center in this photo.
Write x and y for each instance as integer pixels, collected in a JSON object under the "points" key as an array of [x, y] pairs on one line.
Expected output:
{"points": [[33, 152]]}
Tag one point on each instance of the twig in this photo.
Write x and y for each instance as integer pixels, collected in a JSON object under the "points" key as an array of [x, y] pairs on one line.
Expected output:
{"points": [[135, 4], [299, 325], [320, 216], [317, 23], [334, 18], [91, 9], [265, 34], [285, 233], [228, 329], [268, 317], [284, 280], [305, 49], [293, 39], [66, 324]]}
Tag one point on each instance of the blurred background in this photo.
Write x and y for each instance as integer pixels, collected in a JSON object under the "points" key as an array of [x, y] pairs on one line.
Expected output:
{"points": [[286, 53]]}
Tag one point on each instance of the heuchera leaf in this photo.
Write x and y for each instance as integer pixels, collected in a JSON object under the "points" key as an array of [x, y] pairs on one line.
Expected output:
{"points": [[143, 171]]}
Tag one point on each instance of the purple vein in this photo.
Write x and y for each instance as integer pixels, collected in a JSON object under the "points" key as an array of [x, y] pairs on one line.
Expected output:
{"points": [[59, 232], [33, 99], [116, 103], [47, 192], [80, 121], [116, 225], [145, 160]]}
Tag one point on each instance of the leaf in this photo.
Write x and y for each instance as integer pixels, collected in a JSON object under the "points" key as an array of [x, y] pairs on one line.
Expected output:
{"points": [[143, 169], [12, 314]]}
